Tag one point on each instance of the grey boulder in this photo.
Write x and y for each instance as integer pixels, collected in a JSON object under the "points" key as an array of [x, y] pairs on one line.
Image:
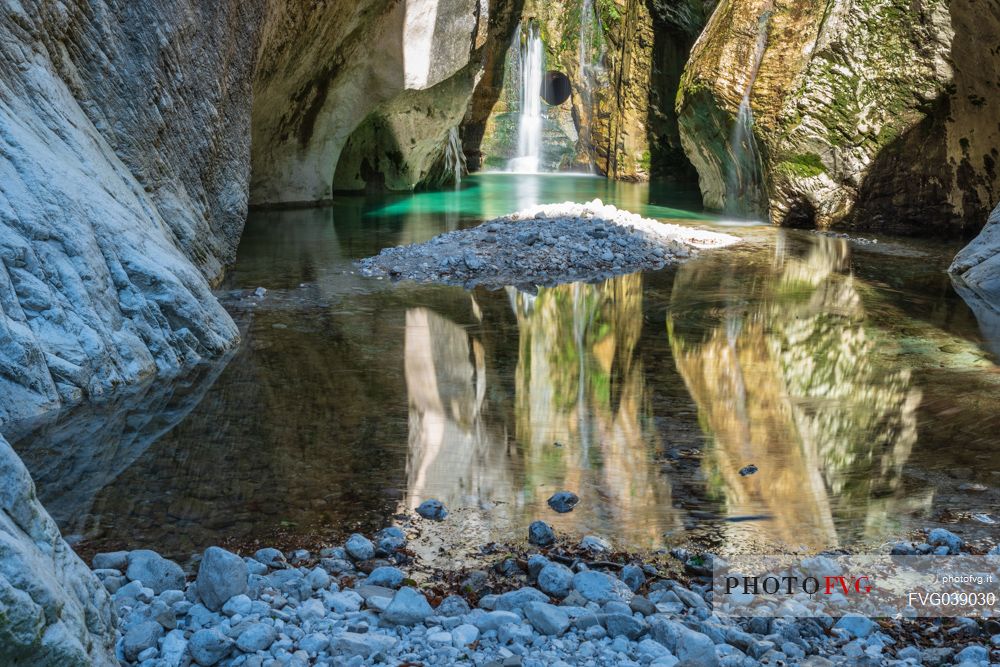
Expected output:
{"points": [[408, 607], [221, 575], [154, 571], [209, 646]]}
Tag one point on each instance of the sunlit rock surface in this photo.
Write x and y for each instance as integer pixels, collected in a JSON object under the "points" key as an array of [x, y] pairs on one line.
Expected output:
{"points": [[53, 610], [323, 68], [874, 115]]}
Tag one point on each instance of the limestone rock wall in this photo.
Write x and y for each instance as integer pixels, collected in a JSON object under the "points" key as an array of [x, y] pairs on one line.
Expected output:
{"points": [[871, 114], [123, 187], [53, 610]]}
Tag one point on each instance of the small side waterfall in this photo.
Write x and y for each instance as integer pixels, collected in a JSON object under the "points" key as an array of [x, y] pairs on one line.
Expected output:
{"points": [[454, 156], [529, 128], [590, 27], [746, 173]]}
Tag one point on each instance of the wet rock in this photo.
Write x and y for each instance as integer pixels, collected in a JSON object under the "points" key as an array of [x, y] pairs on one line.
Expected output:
{"points": [[221, 575], [541, 534], [939, 537], [433, 510], [563, 501]]}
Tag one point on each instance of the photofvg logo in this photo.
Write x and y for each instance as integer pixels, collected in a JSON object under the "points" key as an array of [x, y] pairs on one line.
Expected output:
{"points": [[894, 586]]}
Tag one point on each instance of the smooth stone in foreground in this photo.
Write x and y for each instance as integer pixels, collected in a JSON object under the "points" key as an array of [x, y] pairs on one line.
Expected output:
{"points": [[555, 579], [408, 607], [600, 588], [257, 637], [221, 575], [209, 646], [546, 618], [359, 547], [154, 571]]}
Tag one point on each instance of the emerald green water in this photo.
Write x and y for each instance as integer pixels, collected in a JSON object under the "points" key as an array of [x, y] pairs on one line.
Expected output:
{"points": [[852, 376]]}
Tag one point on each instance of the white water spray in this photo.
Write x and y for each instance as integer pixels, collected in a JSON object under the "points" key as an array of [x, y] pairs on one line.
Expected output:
{"points": [[529, 127], [745, 175], [454, 156]]}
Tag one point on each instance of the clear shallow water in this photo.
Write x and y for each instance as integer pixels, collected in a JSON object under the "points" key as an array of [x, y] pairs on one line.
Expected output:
{"points": [[853, 376]]}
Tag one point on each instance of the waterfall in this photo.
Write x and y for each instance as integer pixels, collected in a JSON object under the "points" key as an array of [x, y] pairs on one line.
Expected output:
{"points": [[746, 172], [454, 156], [589, 25], [529, 127]]}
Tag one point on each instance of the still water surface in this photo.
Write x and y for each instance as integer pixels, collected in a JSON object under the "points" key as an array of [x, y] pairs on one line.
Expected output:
{"points": [[851, 375]]}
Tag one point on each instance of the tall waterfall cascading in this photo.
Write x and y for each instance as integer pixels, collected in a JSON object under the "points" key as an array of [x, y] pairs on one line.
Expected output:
{"points": [[529, 127], [746, 172]]}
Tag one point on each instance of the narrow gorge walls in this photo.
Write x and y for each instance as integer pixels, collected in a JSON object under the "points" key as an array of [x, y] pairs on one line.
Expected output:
{"points": [[124, 149], [868, 114]]}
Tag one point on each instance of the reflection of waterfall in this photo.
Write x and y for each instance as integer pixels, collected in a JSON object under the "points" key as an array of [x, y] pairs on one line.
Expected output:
{"points": [[786, 376], [582, 409], [745, 177], [529, 127]]}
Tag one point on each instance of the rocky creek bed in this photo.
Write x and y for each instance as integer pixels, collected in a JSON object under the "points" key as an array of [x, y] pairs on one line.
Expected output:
{"points": [[550, 602], [545, 245]]}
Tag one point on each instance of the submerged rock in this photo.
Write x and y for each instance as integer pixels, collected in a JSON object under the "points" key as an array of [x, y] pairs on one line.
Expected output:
{"points": [[432, 509], [563, 501]]}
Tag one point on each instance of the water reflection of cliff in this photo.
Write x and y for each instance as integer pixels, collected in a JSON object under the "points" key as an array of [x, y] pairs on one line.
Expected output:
{"points": [[454, 455], [582, 417], [786, 376]]}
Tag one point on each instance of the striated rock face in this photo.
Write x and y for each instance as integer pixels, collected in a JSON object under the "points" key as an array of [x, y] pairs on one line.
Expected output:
{"points": [[53, 610], [123, 187], [872, 114]]}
